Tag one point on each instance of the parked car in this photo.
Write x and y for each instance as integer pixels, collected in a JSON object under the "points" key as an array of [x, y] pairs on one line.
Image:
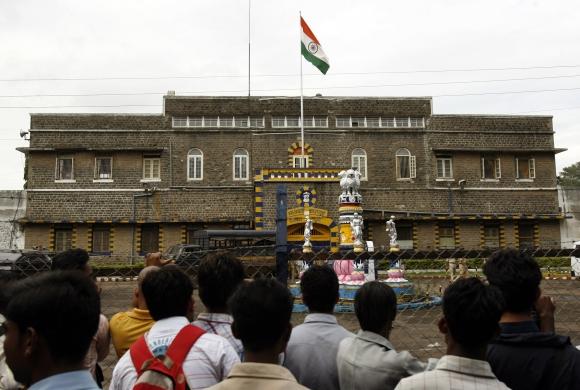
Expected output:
{"points": [[575, 260], [24, 262], [175, 252]]}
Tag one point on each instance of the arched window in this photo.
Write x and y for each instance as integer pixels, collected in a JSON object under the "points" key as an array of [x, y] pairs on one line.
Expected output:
{"points": [[195, 165], [359, 162], [406, 164], [241, 164]]}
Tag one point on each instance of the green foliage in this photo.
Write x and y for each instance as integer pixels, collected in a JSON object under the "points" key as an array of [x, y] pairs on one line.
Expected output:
{"points": [[570, 176]]}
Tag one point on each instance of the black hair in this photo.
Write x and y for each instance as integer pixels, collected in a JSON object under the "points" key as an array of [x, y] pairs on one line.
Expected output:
{"points": [[375, 305], [518, 277], [261, 311], [63, 307], [7, 281], [472, 311], [72, 259], [319, 286], [218, 276], [167, 291]]}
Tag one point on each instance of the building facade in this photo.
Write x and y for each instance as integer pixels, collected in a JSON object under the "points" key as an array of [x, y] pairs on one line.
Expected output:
{"points": [[126, 184]]}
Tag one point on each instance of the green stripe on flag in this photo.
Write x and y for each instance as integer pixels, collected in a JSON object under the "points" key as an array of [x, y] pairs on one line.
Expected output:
{"points": [[321, 65]]}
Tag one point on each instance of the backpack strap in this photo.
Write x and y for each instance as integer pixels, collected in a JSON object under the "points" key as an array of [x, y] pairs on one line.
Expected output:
{"points": [[180, 347], [140, 354]]}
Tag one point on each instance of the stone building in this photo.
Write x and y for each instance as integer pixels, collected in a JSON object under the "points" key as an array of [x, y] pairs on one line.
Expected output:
{"points": [[124, 183]]}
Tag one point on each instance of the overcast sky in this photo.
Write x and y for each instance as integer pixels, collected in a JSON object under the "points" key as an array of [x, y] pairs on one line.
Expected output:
{"points": [[445, 49]]}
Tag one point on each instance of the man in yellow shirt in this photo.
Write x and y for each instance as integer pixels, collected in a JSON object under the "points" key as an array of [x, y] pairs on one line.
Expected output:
{"points": [[126, 327]]}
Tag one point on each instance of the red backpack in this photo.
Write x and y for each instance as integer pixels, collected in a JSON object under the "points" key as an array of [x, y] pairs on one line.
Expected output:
{"points": [[163, 372]]}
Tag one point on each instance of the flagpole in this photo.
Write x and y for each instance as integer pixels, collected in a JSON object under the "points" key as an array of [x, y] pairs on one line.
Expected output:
{"points": [[249, 45], [301, 98]]}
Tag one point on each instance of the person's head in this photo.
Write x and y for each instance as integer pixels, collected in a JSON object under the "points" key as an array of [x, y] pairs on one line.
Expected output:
{"points": [[261, 311], [518, 277], [168, 293], [72, 259], [7, 280], [51, 320], [319, 286], [375, 305], [138, 298], [218, 276], [471, 312]]}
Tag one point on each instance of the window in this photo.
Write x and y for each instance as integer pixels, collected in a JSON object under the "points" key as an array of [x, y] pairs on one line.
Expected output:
{"points": [[490, 168], [525, 168], [320, 121], [526, 235], [241, 164], [300, 161], [405, 235], [180, 122], [406, 164], [195, 121], [358, 122], [149, 238], [416, 122], [241, 121], [190, 232], [388, 122], [491, 236], [444, 167], [447, 235], [257, 122], [151, 168], [63, 238], [373, 122], [278, 121], [402, 122], [226, 121], [210, 121], [103, 168], [359, 162], [101, 239], [292, 121], [343, 121], [195, 165], [64, 168]]}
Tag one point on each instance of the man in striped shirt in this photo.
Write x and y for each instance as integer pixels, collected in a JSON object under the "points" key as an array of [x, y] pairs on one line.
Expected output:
{"points": [[218, 277]]}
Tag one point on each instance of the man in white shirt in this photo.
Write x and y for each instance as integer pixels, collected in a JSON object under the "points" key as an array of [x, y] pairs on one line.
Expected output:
{"points": [[218, 276], [168, 293], [368, 360], [471, 311], [311, 351]]}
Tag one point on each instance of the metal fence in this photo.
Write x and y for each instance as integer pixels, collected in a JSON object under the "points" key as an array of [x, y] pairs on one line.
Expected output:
{"points": [[428, 272]]}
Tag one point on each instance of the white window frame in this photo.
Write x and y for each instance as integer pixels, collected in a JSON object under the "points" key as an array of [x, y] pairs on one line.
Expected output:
{"points": [[446, 175], [182, 120], [57, 173], [404, 152], [151, 175], [531, 169], [253, 122], [195, 121], [278, 122], [190, 156], [242, 157], [299, 159], [388, 122], [221, 121], [97, 179], [496, 168], [358, 159]]}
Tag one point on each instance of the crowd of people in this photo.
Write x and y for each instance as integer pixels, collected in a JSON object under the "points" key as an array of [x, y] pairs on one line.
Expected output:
{"points": [[499, 333]]}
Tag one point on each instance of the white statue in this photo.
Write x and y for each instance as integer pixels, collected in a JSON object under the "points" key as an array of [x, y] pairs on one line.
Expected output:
{"points": [[307, 232], [357, 229], [350, 182], [391, 230]]}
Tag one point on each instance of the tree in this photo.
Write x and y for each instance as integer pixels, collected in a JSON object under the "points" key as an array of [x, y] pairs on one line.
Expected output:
{"points": [[570, 176]]}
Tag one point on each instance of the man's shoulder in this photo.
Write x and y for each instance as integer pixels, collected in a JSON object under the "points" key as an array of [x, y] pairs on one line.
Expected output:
{"points": [[119, 318]]}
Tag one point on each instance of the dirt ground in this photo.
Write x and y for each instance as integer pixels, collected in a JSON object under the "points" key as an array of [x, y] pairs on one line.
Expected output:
{"points": [[414, 330]]}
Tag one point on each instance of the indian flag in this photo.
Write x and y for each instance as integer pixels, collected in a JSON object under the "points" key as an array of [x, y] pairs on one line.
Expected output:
{"points": [[311, 49]]}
